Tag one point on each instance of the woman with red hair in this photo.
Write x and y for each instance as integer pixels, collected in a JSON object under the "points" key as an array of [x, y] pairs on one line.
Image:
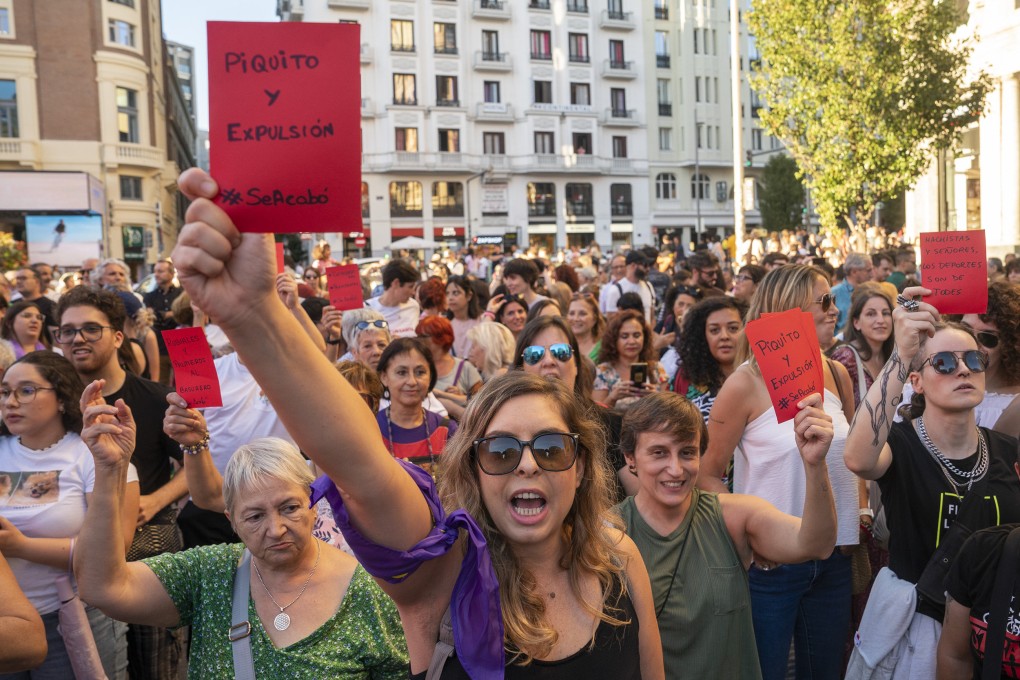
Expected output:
{"points": [[456, 379]]}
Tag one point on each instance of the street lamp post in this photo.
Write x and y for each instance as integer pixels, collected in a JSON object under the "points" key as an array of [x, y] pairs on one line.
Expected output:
{"points": [[738, 129], [697, 176]]}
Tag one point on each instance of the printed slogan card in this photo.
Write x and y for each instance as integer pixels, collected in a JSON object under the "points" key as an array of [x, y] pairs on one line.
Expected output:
{"points": [[786, 347], [954, 269], [194, 370], [343, 283], [284, 125]]}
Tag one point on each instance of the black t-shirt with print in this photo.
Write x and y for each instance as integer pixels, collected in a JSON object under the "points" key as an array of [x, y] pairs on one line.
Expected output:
{"points": [[970, 582], [920, 505], [153, 448]]}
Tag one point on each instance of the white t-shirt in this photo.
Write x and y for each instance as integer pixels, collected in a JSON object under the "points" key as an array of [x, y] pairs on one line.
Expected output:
{"points": [[642, 288], [402, 319], [430, 403], [246, 413], [43, 494]]}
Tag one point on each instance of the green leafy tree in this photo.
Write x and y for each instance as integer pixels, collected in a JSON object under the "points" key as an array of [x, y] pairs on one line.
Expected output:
{"points": [[12, 253], [782, 196], [863, 93]]}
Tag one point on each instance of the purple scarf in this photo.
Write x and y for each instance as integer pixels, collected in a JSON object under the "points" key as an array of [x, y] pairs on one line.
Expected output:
{"points": [[474, 605]]}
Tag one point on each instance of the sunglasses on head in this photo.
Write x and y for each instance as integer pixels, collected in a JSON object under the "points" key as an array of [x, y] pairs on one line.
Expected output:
{"points": [[378, 323], [501, 454], [946, 363], [561, 351], [825, 301]]}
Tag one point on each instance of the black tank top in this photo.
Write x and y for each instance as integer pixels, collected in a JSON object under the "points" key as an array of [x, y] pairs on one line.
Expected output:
{"points": [[615, 654]]}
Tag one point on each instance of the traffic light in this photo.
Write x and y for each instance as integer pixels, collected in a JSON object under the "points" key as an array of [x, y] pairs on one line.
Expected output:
{"points": [[747, 159]]}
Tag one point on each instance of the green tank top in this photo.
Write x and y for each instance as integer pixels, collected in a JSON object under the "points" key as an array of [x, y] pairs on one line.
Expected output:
{"points": [[705, 618]]}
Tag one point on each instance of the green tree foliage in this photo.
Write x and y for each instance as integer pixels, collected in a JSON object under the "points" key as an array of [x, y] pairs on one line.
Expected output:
{"points": [[862, 93], [782, 197], [12, 253]]}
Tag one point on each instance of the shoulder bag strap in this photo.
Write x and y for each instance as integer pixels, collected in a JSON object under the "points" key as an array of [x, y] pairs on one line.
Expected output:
{"points": [[456, 375], [839, 383], [1002, 594], [861, 389], [240, 626], [444, 648]]}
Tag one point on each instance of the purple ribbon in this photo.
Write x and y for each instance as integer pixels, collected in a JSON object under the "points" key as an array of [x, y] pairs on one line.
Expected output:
{"points": [[474, 605]]}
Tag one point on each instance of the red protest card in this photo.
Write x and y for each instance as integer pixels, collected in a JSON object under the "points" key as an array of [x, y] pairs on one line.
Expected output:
{"points": [[343, 283], [786, 348], [284, 116], [954, 269], [281, 263], [194, 370]]}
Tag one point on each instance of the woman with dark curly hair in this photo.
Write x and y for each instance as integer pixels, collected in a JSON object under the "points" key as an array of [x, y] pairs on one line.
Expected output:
{"points": [[628, 341], [998, 333], [708, 350]]}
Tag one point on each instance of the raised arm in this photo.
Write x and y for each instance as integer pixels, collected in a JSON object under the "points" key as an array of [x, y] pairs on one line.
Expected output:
{"points": [[867, 453], [230, 276], [187, 427], [759, 527], [21, 629], [126, 591]]}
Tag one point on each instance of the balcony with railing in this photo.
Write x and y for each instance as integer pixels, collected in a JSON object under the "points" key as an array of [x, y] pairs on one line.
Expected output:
{"points": [[622, 208], [493, 61], [18, 151], [619, 69], [577, 6], [367, 110], [446, 49], [448, 103], [617, 19], [542, 207], [662, 60], [405, 101], [447, 207], [539, 4], [662, 12], [498, 10], [541, 55], [665, 109], [583, 208], [575, 58], [620, 117]]}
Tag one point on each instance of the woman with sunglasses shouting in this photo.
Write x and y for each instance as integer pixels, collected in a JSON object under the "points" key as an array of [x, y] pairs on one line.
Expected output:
{"points": [[941, 475], [529, 568]]}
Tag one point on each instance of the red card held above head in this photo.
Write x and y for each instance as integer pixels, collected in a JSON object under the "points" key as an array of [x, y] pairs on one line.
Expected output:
{"points": [[284, 122], [954, 269], [785, 345], [343, 284], [194, 370]]}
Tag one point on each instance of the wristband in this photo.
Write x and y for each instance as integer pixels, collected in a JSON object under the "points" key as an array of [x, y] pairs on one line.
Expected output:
{"points": [[866, 512], [196, 449], [489, 315]]}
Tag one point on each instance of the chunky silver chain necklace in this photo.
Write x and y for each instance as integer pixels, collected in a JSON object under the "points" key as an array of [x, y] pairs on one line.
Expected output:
{"points": [[282, 620], [946, 465]]}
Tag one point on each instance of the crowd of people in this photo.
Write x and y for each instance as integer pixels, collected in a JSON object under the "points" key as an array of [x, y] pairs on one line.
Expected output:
{"points": [[512, 467]]}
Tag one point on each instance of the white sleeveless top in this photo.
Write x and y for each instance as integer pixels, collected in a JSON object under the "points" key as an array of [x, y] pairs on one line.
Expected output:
{"points": [[768, 465]]}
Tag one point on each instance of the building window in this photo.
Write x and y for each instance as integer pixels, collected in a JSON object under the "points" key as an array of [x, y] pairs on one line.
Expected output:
{"points": [[544, 143], [579, 200], [756, 139], [580, 94], [448, 199], [665, 139], [493, 143], [405, 199], [446, 91], [661, 49], [578, 44], [401, 35], [127, 115], [8, 109], [541, 45], [697, 88], [582, 143], [406, 139], [5, 21], [541, 199], [618, 99], [697, 41], [661, 9], [620, 201], [617, 59], [619, 147], [490, 90], [662, 93], [404, 89], [665, 186], [579, 6], [700, 187], [126, 3], [445, 37], [449, 140], [543, 92], [490, 46], [130, 188], [122, 33]]}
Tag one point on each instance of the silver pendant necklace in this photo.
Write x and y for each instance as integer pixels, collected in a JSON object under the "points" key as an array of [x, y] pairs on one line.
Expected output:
{"points": [[282, 620]]}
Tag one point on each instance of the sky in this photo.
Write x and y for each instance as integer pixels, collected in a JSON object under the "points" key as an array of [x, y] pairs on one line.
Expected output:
{"points": [[184, 22]]}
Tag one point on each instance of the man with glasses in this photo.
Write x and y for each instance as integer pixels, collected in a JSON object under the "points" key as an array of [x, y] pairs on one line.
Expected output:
{"points": [[28, 286], [91, 331], [160, 300], [617, 271], [633, 282], [705, 273], [857, 269]]}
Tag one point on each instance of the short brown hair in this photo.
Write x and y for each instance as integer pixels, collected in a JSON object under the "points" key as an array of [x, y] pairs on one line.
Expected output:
{"points": [[663, 412]]}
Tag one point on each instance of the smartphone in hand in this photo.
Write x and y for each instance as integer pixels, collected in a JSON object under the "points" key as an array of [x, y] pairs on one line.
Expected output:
{"points": [[639, 373]]}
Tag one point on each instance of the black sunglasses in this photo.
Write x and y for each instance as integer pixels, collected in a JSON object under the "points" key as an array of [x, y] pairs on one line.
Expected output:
{"points": [[825, 301], [946, 363], [501, 454], [561, 351], [987, 339]]}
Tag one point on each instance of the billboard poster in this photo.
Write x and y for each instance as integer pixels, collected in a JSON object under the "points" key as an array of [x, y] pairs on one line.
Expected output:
{"points": [[64, 240]]}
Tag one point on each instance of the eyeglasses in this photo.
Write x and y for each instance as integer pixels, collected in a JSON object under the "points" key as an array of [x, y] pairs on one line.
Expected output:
{"points": [[561, 351], [89, 333], [25, 394], [946, 363], [500, 455], [743, 277], [989, 339], [825, 301], [378, 323]]}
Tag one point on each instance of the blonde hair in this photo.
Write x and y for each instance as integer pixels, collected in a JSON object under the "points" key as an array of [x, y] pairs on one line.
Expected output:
{"points": [[782, 289], [586, 533], [498, 343], [260, 460]]}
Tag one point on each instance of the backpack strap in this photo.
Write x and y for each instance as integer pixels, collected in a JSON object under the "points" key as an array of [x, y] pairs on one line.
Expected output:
{"points": [[444, 648], [1002, 592]]}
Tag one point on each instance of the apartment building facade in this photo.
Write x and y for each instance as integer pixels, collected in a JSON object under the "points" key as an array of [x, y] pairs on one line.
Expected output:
{"points": [[82, 90]]}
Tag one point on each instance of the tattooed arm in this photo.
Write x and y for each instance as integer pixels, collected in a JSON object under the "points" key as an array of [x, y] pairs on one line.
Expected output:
{"points": [[867, 453]]}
